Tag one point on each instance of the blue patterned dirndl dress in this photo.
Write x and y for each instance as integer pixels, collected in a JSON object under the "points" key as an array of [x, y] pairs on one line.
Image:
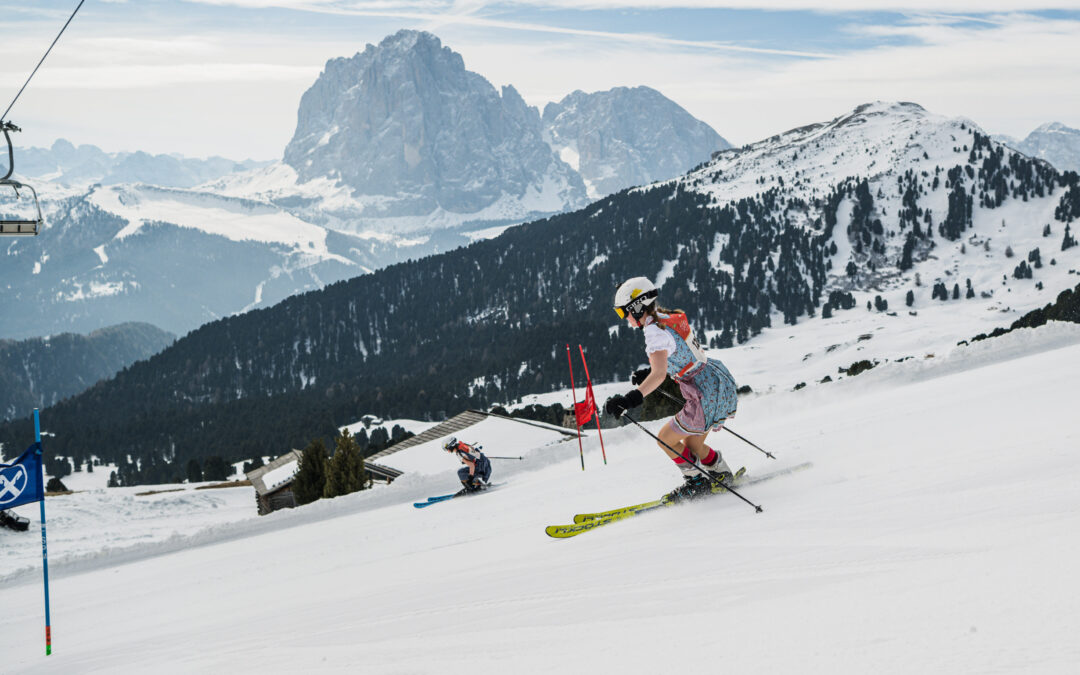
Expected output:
{"points": [[707, 387]]}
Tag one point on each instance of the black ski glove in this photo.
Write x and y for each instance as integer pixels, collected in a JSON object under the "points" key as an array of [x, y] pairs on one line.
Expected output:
{"points": [[639, 376], [617, 405]]}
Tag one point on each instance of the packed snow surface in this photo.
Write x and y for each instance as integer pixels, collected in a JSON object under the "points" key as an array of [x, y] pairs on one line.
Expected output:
{"points": [[935, 533]]}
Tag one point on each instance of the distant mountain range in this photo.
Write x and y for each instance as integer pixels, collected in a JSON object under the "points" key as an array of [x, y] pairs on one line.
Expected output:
{"points": [[38, 373], [887, 208], [1054, 142], [399, 152], [67, 165]]}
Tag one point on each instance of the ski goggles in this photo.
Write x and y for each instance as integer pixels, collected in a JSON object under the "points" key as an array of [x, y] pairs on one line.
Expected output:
{"points": [[636, 307]]}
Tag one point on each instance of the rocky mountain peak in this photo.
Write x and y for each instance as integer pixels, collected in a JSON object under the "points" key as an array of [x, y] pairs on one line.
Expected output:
{"points": [[406, 122], [627, 136]]}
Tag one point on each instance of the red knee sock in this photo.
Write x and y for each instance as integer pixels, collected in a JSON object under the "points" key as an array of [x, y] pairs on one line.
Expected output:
{"points": [[710, 458]]}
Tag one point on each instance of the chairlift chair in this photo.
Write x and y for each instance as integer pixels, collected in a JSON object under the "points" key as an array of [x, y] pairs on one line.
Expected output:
{"points": [[16, 226]]}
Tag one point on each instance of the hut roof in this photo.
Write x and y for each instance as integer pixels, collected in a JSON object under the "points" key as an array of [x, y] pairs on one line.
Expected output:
{"points": [[276, 474]]}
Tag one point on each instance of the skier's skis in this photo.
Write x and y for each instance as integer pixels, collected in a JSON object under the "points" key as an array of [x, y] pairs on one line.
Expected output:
{"points": [[443, 498], [584, 522], [626, 510], [432, 500], [630, 510]]}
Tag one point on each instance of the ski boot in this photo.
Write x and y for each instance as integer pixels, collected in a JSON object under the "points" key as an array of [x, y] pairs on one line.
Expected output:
{"points": [[471, 486], [694, 487], [719, 471]]}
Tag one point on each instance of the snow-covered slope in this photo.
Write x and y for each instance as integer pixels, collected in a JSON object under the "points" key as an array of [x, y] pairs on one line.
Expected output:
{"points": [[873, 140], [932, 535]]}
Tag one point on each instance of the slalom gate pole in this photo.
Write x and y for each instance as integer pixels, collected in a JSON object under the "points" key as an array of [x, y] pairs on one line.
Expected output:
{"points": [[678, 400], [44, 546], [693, 461], [494, 457], [596, 412], [581, 449]]}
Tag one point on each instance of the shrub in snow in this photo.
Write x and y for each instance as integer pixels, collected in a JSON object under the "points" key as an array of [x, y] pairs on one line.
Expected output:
{"points": [[857, 367]]}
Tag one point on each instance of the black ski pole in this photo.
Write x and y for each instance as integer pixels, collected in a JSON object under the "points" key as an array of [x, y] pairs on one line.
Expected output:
{"points": [[697, 466], [678, 400], [747, 441], [495, 457]]}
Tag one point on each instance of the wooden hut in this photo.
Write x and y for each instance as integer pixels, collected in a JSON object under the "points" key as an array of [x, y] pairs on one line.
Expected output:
{"points": [[273, 483]]}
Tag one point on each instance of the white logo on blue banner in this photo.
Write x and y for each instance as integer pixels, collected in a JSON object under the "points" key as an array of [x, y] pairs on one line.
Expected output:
{"points": [[13, 482]]}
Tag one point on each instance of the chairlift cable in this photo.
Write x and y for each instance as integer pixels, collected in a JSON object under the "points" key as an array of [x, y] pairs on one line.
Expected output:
{"points": [[2, 117]]}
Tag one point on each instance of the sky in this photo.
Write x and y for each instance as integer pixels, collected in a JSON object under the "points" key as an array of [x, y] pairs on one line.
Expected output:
{"points": [[225, 77]]}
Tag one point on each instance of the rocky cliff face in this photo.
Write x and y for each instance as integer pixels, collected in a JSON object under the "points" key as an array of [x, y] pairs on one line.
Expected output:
{"points": [[627, 136], [405, 125]]}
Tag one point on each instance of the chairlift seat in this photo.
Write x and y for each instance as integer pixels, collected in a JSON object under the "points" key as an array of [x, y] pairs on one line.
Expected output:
{"points": [[16, 227], [19, 227]]}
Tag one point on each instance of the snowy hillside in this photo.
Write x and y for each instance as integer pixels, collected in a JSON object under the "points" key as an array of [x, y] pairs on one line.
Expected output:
{"points": [[918, 200], [906, 548], [172, 257]]}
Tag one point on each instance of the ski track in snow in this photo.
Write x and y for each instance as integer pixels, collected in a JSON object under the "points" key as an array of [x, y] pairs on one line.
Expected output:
{"points": [[931, 536]]}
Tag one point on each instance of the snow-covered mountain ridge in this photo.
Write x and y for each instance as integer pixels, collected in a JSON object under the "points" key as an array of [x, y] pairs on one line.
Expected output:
{"points": [[903, 187], [873, 140]]}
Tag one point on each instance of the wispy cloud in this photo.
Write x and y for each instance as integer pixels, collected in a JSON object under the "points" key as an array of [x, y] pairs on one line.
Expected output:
{"points": [[965, 6], [228, 74], [467, 14]]}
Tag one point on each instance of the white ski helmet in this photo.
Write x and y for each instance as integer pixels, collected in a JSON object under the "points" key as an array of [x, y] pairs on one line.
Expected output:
{"points": [[634, 296]]}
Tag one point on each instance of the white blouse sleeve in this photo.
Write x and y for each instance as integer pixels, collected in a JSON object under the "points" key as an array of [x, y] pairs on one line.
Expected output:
{"points": [[657, 339]]}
